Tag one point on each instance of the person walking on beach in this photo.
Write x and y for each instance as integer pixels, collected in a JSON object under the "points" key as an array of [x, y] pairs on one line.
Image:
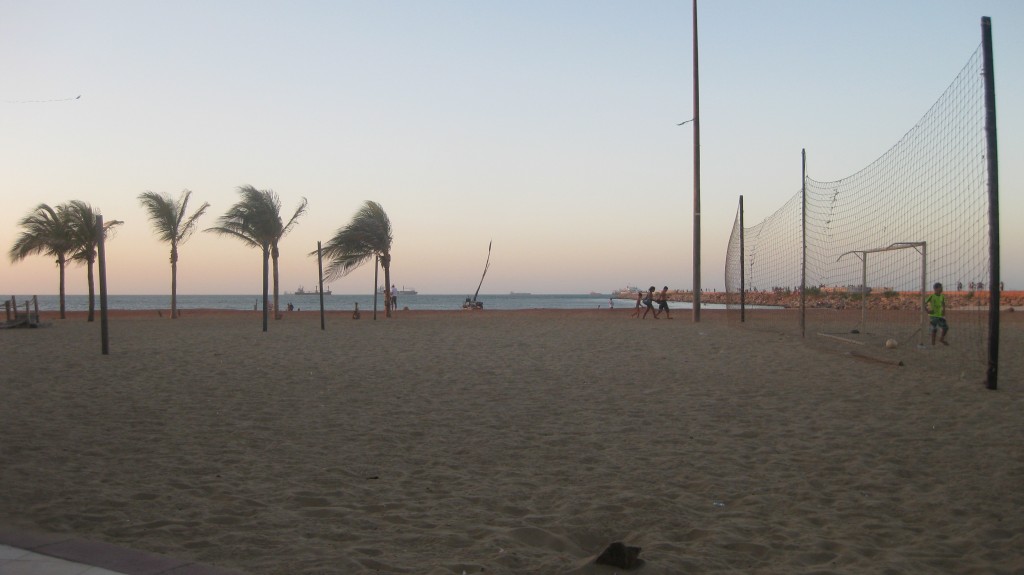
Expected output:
{"points": [[663, 302], [936, 304], [394, 297], [639, 298], [649, 303]]}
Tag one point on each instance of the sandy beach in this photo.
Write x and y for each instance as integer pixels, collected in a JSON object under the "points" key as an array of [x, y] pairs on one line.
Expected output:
{"points": [[509, 443]]}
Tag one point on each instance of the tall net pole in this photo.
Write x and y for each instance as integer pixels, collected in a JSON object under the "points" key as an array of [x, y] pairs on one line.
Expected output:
{"points": [[743, 285], [803, 242], [992, 158], [696, 174]]}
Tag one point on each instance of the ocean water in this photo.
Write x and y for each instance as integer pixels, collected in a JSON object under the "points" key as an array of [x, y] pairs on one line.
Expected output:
{"points": [[311, 302]]}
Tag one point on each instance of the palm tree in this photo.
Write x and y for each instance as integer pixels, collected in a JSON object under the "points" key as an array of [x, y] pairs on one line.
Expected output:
{"points": [[47, 232], [367, 236], [256, 220], [172, 226], [82, 221], [280, 231]]}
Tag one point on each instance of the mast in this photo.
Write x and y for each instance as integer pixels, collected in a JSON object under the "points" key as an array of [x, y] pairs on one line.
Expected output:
{"points": [[486, 265]]}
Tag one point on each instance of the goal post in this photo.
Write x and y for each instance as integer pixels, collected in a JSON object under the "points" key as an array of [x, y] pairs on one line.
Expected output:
{"points": [[922, 249]]}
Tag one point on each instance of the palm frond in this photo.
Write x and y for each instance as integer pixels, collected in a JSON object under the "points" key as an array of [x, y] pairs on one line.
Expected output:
{"points": [[45, 232], [367, 235]]}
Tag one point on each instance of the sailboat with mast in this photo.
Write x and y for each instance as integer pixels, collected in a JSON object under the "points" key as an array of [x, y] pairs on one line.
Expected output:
{"points": [[474, 303]]}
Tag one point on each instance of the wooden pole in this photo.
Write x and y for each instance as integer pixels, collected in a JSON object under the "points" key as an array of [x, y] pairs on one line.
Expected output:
{"points": [[992, 158], [803, 242], [101, 258], [743, 271], [696, 173], [266, 286], [320, 277]]}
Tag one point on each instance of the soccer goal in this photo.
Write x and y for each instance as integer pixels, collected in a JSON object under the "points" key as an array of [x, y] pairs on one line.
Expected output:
{"points": [[894, 273]]}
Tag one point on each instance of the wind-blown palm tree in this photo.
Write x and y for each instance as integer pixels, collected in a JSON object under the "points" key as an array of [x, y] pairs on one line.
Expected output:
{"points": [[281, 231], [82, 220], [172, 226], [256, 220], [367, 236], [46, 231]]}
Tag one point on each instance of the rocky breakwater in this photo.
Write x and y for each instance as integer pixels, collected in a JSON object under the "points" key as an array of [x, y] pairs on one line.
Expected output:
{"points": [[1010, 300]]}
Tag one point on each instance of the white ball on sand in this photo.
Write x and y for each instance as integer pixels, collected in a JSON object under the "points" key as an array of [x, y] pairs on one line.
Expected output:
{"points": [[890, 343]]}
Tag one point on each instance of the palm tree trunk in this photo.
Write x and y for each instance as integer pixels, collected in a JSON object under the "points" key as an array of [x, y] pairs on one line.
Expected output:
{"points": [[60, 265], [266, 274], [174, 288], [276, 255], [92, 291]]}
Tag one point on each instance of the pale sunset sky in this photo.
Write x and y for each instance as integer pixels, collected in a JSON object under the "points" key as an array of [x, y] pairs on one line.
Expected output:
{"points": [[547, 126]]}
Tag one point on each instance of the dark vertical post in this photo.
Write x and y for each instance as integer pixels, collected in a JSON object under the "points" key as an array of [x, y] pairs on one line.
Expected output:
{"points": [[266, 286], [376, 268], [320, 278], [803, 242], [743, 272], [696, 173], [992, 158], [101, 258]]}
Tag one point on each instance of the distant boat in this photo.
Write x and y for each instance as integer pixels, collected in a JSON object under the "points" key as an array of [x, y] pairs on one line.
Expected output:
{"points": [[316, 291]]}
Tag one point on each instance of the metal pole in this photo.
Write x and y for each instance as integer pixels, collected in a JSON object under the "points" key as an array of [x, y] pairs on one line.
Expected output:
{"points": [[803, 242], [864, 294], [320, 278], [696, 173], [101, 258], [924, 292], [993, 203], [743, 282]]}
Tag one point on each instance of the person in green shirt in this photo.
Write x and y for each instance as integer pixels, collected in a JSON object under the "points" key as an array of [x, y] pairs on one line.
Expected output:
{"points": [[936, 304]]}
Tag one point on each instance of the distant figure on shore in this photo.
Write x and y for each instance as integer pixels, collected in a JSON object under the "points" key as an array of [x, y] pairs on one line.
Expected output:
{"points": [[649, 303], [355, 314], [663, 302], [611, 303], [936, 304], [394, 297], [639, 298]]}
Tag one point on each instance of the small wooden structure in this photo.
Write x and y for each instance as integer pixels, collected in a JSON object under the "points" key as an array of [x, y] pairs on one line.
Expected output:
{"points": [[17, 318]]}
